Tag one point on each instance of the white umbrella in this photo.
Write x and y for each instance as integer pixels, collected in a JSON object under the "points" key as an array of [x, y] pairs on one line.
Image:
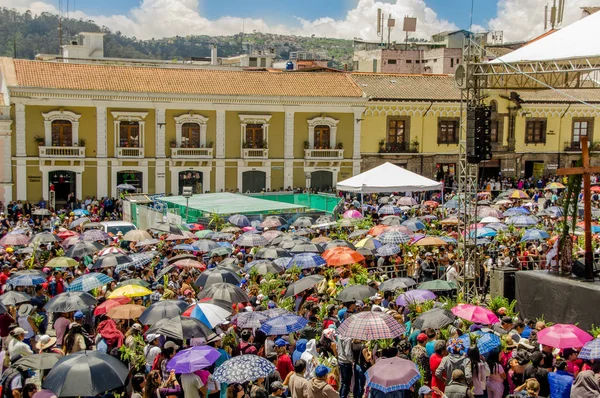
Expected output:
{"points": [[489, 220], [210, 314]]}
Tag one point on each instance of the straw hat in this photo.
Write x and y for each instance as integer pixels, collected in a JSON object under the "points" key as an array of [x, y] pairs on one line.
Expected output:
{"points": [[44, 341]]}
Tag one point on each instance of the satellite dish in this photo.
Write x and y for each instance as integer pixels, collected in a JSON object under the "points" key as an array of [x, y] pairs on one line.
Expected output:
{"points": [[460, 77]]}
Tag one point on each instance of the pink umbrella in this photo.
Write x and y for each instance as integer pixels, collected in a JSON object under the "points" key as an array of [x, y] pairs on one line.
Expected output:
{"points": [[407, 201], [352, 214], [474, 313], [14, 240], [400, 228], [248, 229], [489, 212], [563, 336]]}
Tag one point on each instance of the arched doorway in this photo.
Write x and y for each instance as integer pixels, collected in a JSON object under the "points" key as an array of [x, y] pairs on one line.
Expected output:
{"points": [[253, 181], [64, 184], [130, 177], [192, 179], [321, 180]]}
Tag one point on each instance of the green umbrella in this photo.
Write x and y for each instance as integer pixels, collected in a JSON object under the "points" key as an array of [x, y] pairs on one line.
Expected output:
{"points": [[438, 285], [204, 233], [135, 281], [220, 251], [62, 262]]}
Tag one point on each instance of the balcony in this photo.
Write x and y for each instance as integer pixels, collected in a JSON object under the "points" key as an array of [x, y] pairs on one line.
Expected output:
{"points": [[324, 154], [255, 153], [62, 151], [126, 152], [399, 147], [192, 153]]}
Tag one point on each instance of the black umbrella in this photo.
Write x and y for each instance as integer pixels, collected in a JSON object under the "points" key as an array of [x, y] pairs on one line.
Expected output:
{"points": [[356, 293], [82, 249], [271, 253], [226, 292], [205, 245], [264, 267], [111, 260], [303, 222], [303, 284], [43, 361], [167, 228], [162, 310], [217, 275], [70, 302], [33, 272], [44, 237], [435, 318], [86, 374], [165, 270], [13, 298], [396, 283], [289, 243], [307, 248], [181, 328], [339, 243]]}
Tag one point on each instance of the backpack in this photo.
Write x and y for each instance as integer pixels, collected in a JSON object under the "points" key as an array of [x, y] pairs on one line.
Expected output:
{"points": [[7, 377]]}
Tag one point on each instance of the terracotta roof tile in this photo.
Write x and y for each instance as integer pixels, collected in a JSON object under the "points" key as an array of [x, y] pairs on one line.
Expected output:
{"points": [[407, 87], [192, 81]]}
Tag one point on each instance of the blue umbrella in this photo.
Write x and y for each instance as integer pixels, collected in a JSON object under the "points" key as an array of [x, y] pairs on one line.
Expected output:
{"points": [[81, 212], [243, 368], [388, 210], [283, 324], [448, 239], [522, 221], [486, 342], [239, 220], [90, 281], [591, 350], [307, 261], [388, 250], [185, 247], [193, 359], [534, 234], [283, 262], [25, 280], [515, 211], [78, 221], [414, 224], [482, 233], [451, 204], [225, 244], [554, 211]]}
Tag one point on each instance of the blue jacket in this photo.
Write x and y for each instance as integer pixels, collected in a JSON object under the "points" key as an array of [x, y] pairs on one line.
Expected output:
{"points": [[560, 384], [300, 348]]}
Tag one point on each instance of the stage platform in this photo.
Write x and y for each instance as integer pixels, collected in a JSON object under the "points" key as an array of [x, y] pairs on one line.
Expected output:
{"points": [[558, 299]]}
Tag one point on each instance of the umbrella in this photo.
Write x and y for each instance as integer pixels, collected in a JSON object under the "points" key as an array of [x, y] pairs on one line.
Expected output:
{"points": [[62, 262], [489, 220], [487, 342], [283, 324], [307, 248], [13, 298], [104, 307], [356, 293], [432, 241], [555, 185], [263, 267], [395, 237], [414, 224], [534, 234], [272, 222], [126, 311], [93, 235], [126, 187], [134, 281], [180, 328], [216, 275], [205, 245], [162, 310], [369, 243], [388, 210], [76, 222], [522, 221], [209, 314], [438, 285], [14, 240], [25, 280], [303, 222], [435, 318], [42, 212], [396, 283], [414, 296], [518, 194], [137, 235], [239, 220], [166, 228], [44, 237], [391, 221], [476, 314], [489, 212], [251, 240], [193, 359], [110, 250], [307, 261], [130, 291], [82, 249], [111, 260], [289, 241], [42, 361], [591, 350], [303, 284], [342, 256], [226, 292], [378, 230], [250, 320], [352, 214], [243, 368], [406, 201], [86, 374], [388, 250], [88, 282], [186, 247], [189, 263], [392, 374], [70, 302], [482, 233], [271, 253], [371, 325], [563, 336], [516, 211], [450, 240], [220, 251], [553, 211], [450, 221], [339, 243]]}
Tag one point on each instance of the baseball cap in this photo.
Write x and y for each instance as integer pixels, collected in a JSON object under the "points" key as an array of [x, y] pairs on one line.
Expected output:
{"points": [[151, 337], [424, 390], [78, 315], [137, 326], [277, 385], [421, 337], [170, 344], [321, 370], [18, 331], [280, 342]]}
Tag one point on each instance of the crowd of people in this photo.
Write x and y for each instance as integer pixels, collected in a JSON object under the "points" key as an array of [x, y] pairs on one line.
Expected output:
{"points": [[273, 307]]}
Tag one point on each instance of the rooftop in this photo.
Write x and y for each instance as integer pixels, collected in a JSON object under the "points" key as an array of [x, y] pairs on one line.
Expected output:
{"points": [[408, 87]]}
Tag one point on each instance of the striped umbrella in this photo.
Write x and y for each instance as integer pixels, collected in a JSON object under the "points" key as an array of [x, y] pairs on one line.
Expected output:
{"points": [[591, 350], [307, 248], [406, 201], [249, 320], [110, 250], [251, 240], [111, 260], [307, 261], [371, 325], [388, 250], [272, 222], [283, 324], [14, 240], [388, 210], [396, 238], [93, 235], [239, 220]]}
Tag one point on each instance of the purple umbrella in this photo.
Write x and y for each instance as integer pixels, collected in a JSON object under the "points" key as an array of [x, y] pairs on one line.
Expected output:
{"points": [[414, 296], [192, 359]]}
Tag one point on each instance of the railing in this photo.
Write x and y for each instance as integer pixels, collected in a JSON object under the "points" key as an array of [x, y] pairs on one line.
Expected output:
{"points": [[255, 153], [130, 152], [324, 154], [399, 147], [572, 146], [62, 151], [191, 152]]}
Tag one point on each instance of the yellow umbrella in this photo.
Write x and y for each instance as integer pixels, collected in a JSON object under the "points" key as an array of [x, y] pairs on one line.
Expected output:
{"points": [[369, 243], [555, 185], [130, 291], [431, 241], [518, 194], [62, 262]]}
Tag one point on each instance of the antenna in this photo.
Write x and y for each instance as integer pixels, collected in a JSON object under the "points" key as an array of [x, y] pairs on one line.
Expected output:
{"points": [[410, 25], [561, 11], [378, 21], [391, 23], [546, 17], [553, 15]]}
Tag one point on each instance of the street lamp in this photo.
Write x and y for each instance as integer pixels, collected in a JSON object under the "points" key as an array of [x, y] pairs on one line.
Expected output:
{"points": [[187, 193]]}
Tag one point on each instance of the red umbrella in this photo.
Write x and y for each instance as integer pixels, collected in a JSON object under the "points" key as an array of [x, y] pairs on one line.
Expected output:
{"points": [[66, 234], [342, 255], [112, 303], [189, 263], [196, 227]]}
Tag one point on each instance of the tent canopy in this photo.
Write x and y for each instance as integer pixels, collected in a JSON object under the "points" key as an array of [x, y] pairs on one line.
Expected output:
{"points": [[388, 178]]}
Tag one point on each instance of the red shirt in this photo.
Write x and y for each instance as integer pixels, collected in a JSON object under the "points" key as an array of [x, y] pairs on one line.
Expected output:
{"points": [[284, 365], [5, 321], [434, 363], [3, 279]]}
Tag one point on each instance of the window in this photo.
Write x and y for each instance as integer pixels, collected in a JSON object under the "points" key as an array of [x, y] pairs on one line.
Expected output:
{"points": [[190, 135], [263, 62], [254, 136], [535, 131], [129, 135], [494, 131], [396, 130], [409, 61], [417, 61], [62, 133], [253, 61], [322, 137], [582, 128], [392, 61], [452, 62], [448, 131]]}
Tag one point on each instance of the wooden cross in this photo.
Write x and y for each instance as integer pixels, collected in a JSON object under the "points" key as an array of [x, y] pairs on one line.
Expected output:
{"points": [[586, 170]]}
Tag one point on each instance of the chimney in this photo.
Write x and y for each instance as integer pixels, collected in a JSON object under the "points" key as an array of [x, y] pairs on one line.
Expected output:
{"points": [[213, 55]]}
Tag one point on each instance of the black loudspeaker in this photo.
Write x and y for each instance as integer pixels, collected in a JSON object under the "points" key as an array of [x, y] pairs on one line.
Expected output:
{"points": [[502, 283], [579, 269]]}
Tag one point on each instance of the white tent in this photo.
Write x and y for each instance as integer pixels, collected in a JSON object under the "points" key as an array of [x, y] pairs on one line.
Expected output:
{"points": [[578, 40], [388, 178]]}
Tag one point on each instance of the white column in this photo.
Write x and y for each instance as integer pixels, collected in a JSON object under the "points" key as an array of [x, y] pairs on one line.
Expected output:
{"points": [[161, 180], [101, 140], [45, 183], [174, 180], [78, 185], [22, 180], [48, 133], [160, 138], [220, 138], [357, 132], [206, 180], [102, 177], [355, 167], [219, 175], [288, 151], [6, 163], [21, 142]]}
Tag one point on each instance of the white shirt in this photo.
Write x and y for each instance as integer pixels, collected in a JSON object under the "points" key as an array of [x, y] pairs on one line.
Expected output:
{"points": [[451, 274], [191, 385], [151, 352], [17, 347]]}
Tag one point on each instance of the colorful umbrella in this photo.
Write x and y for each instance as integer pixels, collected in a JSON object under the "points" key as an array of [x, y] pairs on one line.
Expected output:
{"points": [[243, 368], [130, 291], [414, 296], [518, 194], [210, 314], [591, 350], [283, 324], [339, 256], [193, 359], [392, 374], [476, 314], [352, 214], [563, 336], [371, 325], [431, 241], [88, 282], [104, 307], [555, 185], [378, 230], [110, 250]]}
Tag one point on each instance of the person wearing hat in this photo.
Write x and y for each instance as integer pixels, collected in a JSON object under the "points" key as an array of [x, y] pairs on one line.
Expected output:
{"points": [[151, 350], [134, 330], [75, 339], [25, 321], [277, 389], [284, 362], [45, 343], [455, 360], [318, 387], [458, 388], [419, 355], [310, 331], [16, 346]]}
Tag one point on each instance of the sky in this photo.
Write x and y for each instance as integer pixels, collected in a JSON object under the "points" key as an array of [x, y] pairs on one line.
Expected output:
{"points": [[518, 19]]}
